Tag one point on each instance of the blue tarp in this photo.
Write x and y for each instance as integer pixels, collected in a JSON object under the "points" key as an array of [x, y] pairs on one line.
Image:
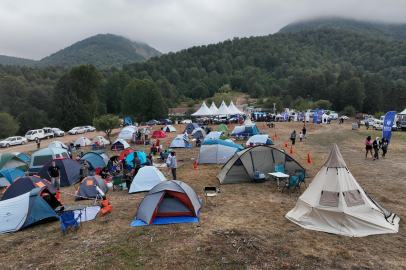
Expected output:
{"points": [[24, 157], [11, 174], [168, 220]]}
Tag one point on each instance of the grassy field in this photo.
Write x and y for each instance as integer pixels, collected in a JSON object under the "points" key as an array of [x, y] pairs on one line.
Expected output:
{"points": [[246, 230]]}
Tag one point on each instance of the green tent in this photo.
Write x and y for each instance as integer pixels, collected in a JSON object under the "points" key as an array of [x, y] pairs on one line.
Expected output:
{"points": [[222, 128], [224, 138], [8, 160]]}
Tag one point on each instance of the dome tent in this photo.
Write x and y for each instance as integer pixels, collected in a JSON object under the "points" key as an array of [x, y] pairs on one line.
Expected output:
{"points": [[43, 156], [96, 159], [167, 199], [26, 184], [8, 175], [141, 155], [100, 140], [241, 167], [8, 160], [69, 170], [245, 130], [27, 209], [179, 142], [128, 132], [125, 152], [222, 128], [87, 189], [199, 132], [83, 141], [335, 203], [169, 128], [146, 178], [119, 144], [217, 151], [260, 139], [190, 127], [213, 135], [159, 134], [58, 144]]}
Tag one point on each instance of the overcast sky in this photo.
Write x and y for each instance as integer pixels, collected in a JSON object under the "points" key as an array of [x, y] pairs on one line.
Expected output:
{"points": [[35, 29]]}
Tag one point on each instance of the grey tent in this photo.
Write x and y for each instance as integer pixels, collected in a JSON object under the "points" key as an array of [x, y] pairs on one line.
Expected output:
{"points": [[198, 133], [240, 168], [168, 199]]}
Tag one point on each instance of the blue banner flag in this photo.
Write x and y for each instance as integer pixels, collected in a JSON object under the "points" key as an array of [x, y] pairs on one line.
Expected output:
{"points": [[302, 116], [387, 125], [316, 111], [285, 117], [320, 116]]}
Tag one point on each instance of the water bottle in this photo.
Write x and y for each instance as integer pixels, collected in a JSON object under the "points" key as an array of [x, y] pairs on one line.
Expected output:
{"points": [[256, 174]]}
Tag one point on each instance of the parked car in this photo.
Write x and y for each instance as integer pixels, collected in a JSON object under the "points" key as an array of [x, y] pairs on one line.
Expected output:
{"points": [[371, 121], [13, 141], [48, 132], [186, 121], [165, 121], [378, 125], [32, 135], [58, 132], [152, 122], [89, 128], [344, 117], [77, 130]]}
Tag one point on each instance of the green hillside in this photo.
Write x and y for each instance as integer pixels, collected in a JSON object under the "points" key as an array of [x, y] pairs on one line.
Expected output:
{"points": [[379, 30], [10, 60]]}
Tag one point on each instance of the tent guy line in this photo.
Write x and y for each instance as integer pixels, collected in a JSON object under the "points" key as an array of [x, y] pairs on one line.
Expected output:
{"points": [[93, 198]]}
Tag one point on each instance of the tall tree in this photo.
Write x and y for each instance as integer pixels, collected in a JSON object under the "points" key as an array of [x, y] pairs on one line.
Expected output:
{"points": [[8, 126], [13, 95], [352, 94], [114, 89]]}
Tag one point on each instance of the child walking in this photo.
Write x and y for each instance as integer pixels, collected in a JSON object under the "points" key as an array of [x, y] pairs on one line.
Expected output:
{"points": [[300, 136]]}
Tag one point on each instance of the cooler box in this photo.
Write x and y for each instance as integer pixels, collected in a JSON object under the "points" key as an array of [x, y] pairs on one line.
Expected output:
{"points": [[260, 178], [354, 126]]}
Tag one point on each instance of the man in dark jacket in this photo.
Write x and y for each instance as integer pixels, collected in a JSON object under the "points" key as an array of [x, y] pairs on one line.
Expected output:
{"points": [[304, 132], [148, 162], [136, 163], [125, 165]]}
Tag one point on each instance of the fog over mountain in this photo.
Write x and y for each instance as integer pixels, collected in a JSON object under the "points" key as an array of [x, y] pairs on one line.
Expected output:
{"points": [[35, 29]]}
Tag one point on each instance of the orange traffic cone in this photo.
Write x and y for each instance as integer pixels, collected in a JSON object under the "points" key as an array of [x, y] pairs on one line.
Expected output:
{"points": [[180, 132], [311, 127], [286, 143], [169, 142], [291, 150], [85, 144], [308, 158], [195, 167], [276, 136], [232, 125], [273, 138], [57, 196], [115, 148]]}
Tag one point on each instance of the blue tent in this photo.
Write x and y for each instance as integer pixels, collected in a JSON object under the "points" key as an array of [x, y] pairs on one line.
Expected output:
{"points": [[69, 168], [217, 151], [190, 127], [245, 130], [141, 155], [95, 160], [27, 209], [23, 157], [8, 175]]}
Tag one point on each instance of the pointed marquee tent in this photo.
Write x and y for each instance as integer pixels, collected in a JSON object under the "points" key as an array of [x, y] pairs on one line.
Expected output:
{"points": [[335, 203], [204, 110], [223, 110], [234, 109], [213, 107]]}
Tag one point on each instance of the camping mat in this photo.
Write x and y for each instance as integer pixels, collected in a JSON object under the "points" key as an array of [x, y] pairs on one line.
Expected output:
{"points": [[168, 220], [91, 213], [160, 165]]}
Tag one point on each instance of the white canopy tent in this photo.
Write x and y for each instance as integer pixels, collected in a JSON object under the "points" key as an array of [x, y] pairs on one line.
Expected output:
{"points": [[234, 109], [213, 107], [402, 113], [247, 121], [204, 110], [223, 110]]}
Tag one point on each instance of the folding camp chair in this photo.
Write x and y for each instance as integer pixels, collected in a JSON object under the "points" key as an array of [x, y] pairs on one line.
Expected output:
{"points": [[279, 167], [302, 176], [292, 183], [210, 192], [68, 220], [117, 182]]}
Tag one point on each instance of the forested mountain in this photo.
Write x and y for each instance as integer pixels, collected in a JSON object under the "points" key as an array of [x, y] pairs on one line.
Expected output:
{"points": [[336, 69], [374, 29], [103, 51]]}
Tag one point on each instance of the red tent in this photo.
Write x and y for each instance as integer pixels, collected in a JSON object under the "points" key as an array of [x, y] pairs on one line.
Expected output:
{"points": [[128, 151], [158, 134]]}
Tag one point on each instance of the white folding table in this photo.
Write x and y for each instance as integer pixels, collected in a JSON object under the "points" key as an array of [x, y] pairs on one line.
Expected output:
{"points": [[278, 176]]}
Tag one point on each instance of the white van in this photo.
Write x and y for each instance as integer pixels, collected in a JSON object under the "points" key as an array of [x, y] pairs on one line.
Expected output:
{"points": [[32, 135], [378, 125]]}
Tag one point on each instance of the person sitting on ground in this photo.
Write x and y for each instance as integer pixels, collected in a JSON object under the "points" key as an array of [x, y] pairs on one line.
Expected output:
{"points": [[153, 149], [147, 162], [198, 142], [105, 173], [151, 157]]}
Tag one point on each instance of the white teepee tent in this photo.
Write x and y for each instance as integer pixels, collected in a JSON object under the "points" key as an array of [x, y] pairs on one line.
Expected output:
{"points": [[335, 203]]}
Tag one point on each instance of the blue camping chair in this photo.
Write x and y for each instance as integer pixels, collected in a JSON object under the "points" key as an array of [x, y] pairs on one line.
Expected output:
{"points": [[68, 221], [292, 183], [279, 168], [302, 176]]}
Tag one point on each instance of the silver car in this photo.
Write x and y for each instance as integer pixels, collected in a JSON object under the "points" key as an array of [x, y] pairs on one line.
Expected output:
{"points": [[77, 130], [89, 128], [13, 141], [58, 132]]}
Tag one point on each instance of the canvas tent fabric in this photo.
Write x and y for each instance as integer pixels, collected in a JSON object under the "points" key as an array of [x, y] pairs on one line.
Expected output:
{"points": [[260, 139], [168, 199], [43, 156], [213, 135], [217, 151], [247, 121], [58, 144], [26, 184], [179, 142], [213, 107], [222, 128], [241, 167], [141, 155], [8, 160], [158, 134], [83, 141], [335, 203], [119, 144], [100, 140], [23, 156], [8, 175], [146, 178], [223, 110], [128, 132], [190, 127], [204, 110], [69, 169], [234, 109], [169, 128], [245, 130], [199, 133], [87, 190], [26, 209]]}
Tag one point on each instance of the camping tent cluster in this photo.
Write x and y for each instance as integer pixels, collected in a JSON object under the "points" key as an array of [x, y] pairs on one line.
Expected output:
{"points": [[43, 156]]}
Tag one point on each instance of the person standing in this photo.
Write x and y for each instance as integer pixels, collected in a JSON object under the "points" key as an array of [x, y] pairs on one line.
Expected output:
{"points": [[368, 147], [300, 136], [376, 145], [85, 169], [385, 144], [293, 137], [137, 163], [38, 141], [125, 165], [54, 172], [304, 131], [174, 164], [367, 124], [168, 166]]}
